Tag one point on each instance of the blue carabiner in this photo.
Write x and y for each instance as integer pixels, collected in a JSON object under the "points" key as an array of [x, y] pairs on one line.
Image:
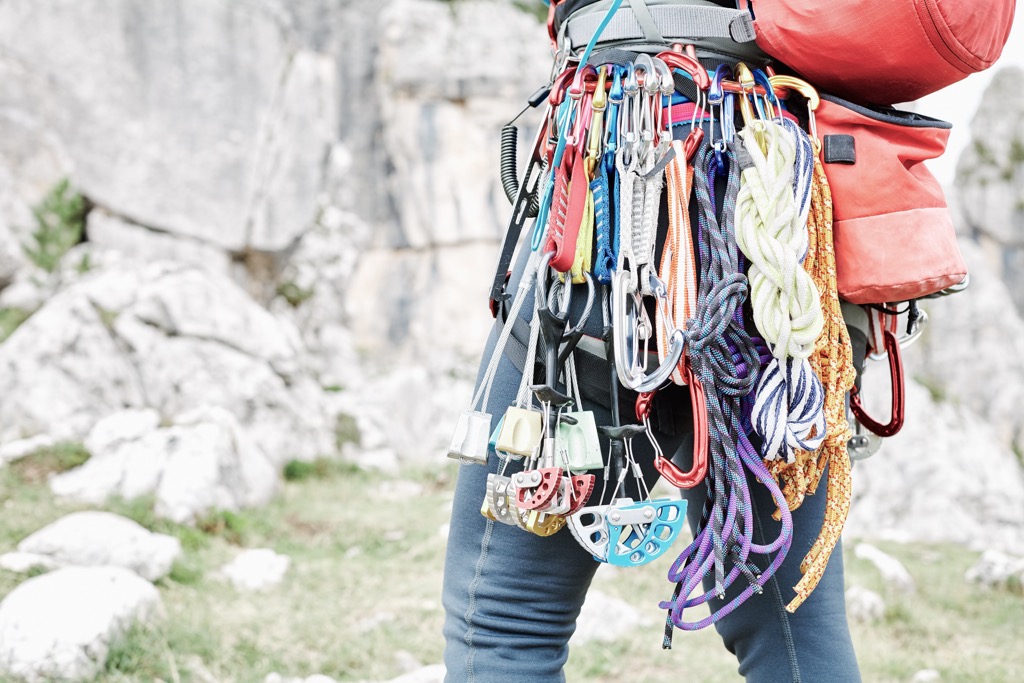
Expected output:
{"points": [[761, 79]]}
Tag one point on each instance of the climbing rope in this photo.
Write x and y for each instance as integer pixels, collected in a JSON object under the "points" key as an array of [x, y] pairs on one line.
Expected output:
{"points": [[788, 410], [726, 360], [832, 361]]}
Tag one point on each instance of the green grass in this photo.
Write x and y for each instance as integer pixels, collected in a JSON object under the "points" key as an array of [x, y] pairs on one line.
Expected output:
{"points": [[365, 582], [321, 468], [37, 467]]}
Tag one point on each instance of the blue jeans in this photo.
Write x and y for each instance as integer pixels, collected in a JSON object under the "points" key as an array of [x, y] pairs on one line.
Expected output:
{"points": [[511, 598]]}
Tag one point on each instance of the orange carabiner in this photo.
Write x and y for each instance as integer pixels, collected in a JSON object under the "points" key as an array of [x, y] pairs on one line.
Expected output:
{"points": [[892, 348]]}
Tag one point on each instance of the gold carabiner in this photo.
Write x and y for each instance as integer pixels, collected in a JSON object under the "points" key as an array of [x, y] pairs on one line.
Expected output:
{"points": [[808, 91], [750, 118], [598, 104]]}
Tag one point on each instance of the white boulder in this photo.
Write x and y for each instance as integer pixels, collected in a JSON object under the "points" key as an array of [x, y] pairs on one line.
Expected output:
{"points": [[256, 570], [16, 450], [204, 460], [23, 563], [605, 619], [59, 626], [864, 605], [892, 570], [94, 538], [998, 570]]}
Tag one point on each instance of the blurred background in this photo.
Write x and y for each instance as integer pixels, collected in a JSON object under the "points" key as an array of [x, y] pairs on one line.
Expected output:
{"points": [[245, 247]]}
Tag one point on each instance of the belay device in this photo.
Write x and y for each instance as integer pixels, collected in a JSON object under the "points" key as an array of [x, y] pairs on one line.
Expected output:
{"points": [[694, 211]]}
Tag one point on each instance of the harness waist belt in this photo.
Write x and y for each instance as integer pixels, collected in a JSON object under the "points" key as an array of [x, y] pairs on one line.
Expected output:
{"points": [[672, 23]]}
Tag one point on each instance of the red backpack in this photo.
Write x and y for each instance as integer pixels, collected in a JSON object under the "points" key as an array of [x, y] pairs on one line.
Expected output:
{"points": [[883, 52]]}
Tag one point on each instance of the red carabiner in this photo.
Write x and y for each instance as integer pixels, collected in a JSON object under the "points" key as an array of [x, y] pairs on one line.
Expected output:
{"points": [[668, 469], [679, 60], [892, 348]]}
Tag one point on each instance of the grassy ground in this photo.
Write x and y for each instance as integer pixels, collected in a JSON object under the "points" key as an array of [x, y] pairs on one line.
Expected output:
{"points": [[361, 599]]}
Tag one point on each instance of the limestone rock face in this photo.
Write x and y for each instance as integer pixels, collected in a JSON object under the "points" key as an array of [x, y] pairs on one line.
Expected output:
{"points": [[165, 336], [59, 626], [946, 477], [973, 350], [203, 461], [165, 116], [990, 179], [448, 78], [92, 538]]}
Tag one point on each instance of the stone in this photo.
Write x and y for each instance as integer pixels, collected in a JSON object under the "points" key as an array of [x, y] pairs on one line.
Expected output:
{"points": [[863, 605], [16, 450], [892, 570], [256, 570], [166, 119], [996, 569], [23, 563], [169, 337], [121, 427], [434, 673], [93, 538], [314, 285], [423, 400], [203, 461], [60, 625], [605, 619], [945, 478]]}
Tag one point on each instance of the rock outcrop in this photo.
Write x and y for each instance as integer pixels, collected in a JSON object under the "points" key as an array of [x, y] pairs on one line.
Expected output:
{"points": [[164, 336]]}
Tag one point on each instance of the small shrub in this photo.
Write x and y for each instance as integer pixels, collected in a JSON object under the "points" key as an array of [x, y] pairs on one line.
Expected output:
{"points": [[230, 526], [321, 468], [346, 430], [60, 225], [294, 294], [185, 573]]}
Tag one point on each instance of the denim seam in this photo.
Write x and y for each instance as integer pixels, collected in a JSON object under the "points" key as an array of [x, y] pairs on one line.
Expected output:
{"points": [[485, 545], [780, 606]]}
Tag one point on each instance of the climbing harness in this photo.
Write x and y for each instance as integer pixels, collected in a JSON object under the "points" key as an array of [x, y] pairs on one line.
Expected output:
{"points": [[694, 201]]}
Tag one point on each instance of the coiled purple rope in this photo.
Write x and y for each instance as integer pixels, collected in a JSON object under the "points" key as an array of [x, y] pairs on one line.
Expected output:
{"points": [[727, 361]]}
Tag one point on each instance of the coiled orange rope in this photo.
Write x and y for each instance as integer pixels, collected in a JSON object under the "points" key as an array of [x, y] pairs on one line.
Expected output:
{"points": [[832, 360]]}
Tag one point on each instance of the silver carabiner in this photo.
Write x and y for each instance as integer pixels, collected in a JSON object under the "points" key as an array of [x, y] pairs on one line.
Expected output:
{"points": [[625, 343]]}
